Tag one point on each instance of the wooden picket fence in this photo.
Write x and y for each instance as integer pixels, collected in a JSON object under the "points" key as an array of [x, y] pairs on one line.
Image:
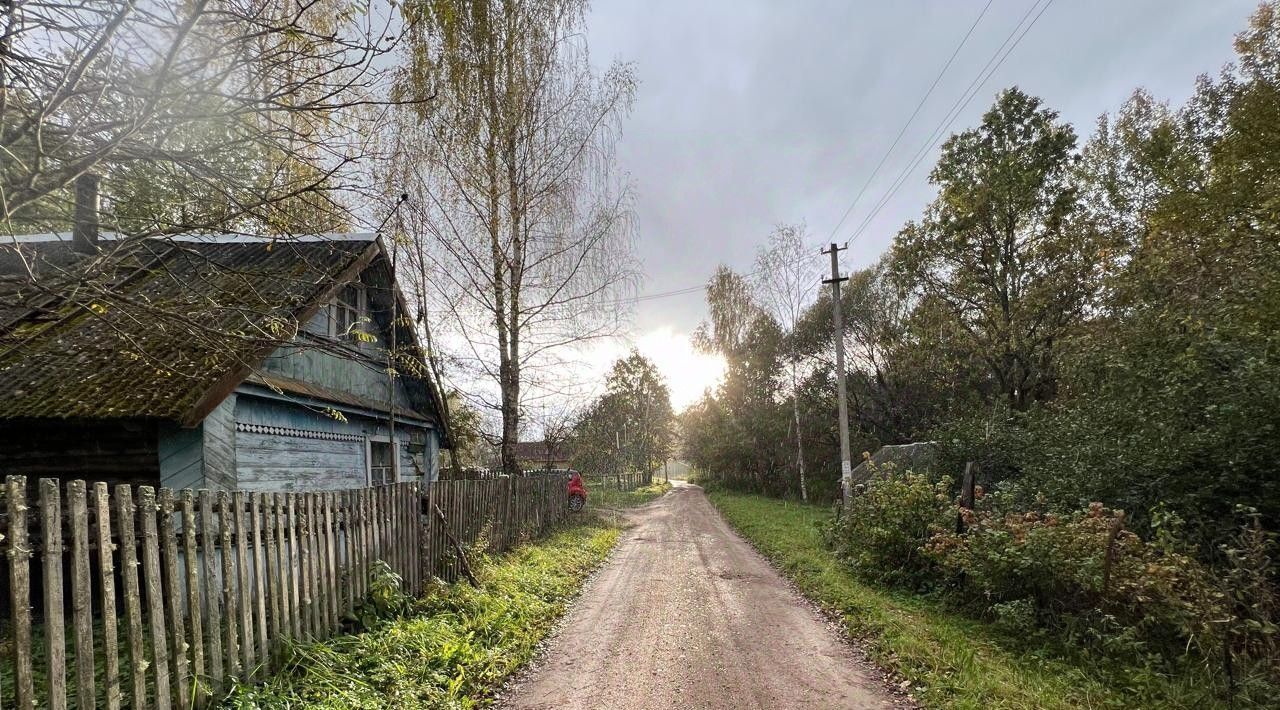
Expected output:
{"points": [[137, 597]]}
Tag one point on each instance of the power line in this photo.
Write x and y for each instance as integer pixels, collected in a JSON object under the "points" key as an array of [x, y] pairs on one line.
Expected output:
{"points": [[970, 92], [875, 171], [994, 63]]}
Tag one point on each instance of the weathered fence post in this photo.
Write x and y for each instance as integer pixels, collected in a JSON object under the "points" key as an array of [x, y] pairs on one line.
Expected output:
{"points": [[155, 596], [54, 627], [20, 589], [106, 570]]}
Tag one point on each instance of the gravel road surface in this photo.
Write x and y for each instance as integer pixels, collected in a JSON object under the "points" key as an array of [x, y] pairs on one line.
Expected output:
{"points": [[687, 615]]}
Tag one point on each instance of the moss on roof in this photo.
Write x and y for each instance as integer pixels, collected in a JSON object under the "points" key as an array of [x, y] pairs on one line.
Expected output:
{"points": [[173, 319]]}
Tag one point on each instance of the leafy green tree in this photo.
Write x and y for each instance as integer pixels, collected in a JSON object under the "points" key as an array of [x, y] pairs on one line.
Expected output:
{"points": [[1001, 248], [629, 427]]}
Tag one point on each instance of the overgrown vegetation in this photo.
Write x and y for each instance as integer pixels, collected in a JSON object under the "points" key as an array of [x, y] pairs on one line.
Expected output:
{"points": [[1095, 326], [1080, 579], [452, 648], [954, 656], [1088, 319]]}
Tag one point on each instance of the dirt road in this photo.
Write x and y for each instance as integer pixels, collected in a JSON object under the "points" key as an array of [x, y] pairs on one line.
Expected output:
{"points": [[687, 615]]}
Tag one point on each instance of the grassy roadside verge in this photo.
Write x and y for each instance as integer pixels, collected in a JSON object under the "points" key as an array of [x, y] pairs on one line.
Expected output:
{"points": [[952, 661], [456, 646], [627, 499]]}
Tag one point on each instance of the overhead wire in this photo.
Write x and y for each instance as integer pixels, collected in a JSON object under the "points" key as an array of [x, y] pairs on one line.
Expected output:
{"points": [[957, 108], [902, 131], [1016, 35]]}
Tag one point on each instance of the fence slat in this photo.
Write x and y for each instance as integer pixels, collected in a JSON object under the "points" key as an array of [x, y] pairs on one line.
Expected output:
{"points": [[243, 591], [20, 590], [81, 592], [173, 588], [106, 575], [132, 596], [327, 613], [259, 574], [311, 600], [212, 592], [348, 538], [155, 596], [272, 550], [191, 569], [230, 601], [282, 552], [331, 565], [294, 568], [322, 564], [54, 627]]}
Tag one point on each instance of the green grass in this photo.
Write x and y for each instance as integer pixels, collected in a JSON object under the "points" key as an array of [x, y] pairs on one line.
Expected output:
{"points": [[458, 645], [952, 661], [601, 498]]}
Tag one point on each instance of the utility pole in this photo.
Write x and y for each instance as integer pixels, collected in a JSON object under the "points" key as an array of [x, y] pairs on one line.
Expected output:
{"points": [[846, 464]]}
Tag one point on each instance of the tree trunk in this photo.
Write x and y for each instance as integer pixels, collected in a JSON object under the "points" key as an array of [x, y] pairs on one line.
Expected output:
{"points": [[795, 410]]}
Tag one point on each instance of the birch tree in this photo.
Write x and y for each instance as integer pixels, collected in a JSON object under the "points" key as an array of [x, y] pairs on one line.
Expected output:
{"points": [[519, 229], [786, 280]]}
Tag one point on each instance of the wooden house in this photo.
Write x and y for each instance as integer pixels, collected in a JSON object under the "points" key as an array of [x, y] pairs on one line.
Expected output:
{"points": [[541, 455], [266, 366]]}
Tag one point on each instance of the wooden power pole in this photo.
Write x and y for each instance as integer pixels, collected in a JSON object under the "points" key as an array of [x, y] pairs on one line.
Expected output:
{"points": [[846, 464]]}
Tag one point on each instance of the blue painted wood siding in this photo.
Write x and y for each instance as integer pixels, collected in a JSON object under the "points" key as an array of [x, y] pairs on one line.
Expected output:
{"points": [[283, 446]]}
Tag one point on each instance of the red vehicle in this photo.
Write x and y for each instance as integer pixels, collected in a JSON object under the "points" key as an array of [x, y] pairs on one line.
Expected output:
{"points": [[577, 492]]}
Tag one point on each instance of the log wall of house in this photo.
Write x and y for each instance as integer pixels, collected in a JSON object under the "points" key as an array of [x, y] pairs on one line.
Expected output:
{"points": [[115, 451]]}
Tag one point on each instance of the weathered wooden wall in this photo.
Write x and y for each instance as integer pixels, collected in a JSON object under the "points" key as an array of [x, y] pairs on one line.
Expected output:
{"points": [[133, 597], [121, 451], [279, 446]]}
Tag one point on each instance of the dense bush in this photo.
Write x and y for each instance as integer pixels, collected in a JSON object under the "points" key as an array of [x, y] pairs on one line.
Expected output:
{"points": [[886, 526], [1081, 578], [1084, 574]]}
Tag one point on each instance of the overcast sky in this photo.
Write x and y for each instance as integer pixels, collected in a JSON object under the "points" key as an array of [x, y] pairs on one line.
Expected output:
{"points": [[752, 113]]}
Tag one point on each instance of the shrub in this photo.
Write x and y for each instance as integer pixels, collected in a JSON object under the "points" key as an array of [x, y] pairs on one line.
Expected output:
{"points": [[885, 526], [1139, 595]]}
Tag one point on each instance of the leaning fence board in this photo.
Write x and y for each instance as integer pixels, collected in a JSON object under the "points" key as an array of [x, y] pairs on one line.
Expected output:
{"points": [[309, 550], [191, 570], [279, 504], [332, 534], [344, 498], [155, 596]]}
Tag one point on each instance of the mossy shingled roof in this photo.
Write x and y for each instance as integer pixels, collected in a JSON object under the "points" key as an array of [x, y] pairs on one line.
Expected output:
{"points": [[152, 326]]}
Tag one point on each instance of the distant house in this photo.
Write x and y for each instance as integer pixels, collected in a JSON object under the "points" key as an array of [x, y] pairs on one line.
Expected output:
{"points": [[541, 455], [102, 392]]}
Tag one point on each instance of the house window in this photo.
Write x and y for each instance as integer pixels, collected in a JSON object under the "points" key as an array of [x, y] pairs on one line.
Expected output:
{"points": [[346, 310], [381, 463]]}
